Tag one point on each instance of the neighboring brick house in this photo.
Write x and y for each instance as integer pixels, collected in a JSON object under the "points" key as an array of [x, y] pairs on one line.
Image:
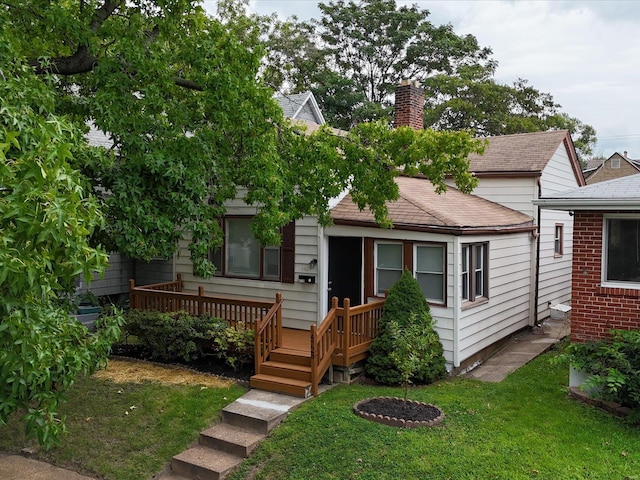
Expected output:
{"points": [[616, 166], [606, 256]]}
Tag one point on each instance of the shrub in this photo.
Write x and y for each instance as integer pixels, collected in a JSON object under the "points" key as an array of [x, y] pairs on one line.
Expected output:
{"points": [[172, 335], [406, 306], [613, 366], [233, 345]]}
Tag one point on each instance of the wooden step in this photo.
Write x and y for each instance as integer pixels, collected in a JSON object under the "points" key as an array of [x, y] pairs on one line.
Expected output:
{"points": [[286, 370], [204, 463], [287, 355], [289, 386], [231, 439]]}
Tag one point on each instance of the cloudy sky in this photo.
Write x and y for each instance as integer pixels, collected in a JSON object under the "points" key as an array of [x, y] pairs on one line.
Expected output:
{"points": [[586, 54]]}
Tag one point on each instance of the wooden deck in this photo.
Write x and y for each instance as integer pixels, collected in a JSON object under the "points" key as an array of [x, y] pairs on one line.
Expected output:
{"points": [[287, 360]]}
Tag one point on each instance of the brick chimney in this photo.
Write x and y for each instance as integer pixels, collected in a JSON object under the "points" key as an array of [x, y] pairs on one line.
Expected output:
{"points": [[409, 107]]}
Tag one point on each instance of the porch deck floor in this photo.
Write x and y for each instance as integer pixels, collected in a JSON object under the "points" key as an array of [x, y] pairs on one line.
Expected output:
{"points": [[296, 339]]}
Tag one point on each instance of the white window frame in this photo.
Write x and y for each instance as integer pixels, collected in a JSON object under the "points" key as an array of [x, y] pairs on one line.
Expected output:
{"points": [[558, 240], [604, 256], [472, 270], [615, 163], [377, 268], [442, 273]]}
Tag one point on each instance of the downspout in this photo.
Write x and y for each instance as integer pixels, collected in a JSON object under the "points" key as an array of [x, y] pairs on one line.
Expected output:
{"points": [[457, 301], [537, 267]]}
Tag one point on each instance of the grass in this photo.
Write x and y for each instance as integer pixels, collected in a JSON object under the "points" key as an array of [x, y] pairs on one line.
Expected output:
{"points": [[125, 427], [524, 427]]}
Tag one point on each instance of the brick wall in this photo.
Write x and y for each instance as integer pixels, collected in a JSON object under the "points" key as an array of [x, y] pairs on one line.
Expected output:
{"points": [[595, 310], [409, 105]]}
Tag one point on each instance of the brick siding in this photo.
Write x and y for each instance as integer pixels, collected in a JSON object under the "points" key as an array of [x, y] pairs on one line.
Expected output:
{"points": [[595, 310]]}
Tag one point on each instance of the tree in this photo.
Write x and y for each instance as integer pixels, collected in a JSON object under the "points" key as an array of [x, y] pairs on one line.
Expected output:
{"points": [[406, 346], [357, 52], [46, 218], [192, 126]]}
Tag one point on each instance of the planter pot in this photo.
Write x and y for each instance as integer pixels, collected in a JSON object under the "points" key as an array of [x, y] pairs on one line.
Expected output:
{"points": [[87, 319], [84, 309]]}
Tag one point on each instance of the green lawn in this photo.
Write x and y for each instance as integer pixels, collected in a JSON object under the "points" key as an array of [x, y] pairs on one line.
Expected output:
{"points": [[122, 430], [524, 427]]}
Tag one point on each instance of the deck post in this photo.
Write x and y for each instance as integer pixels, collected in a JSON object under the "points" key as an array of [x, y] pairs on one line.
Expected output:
{"points": [[179, 280], [132, 286], [200, 301], [279, 320], [346, 306], [314, 362]]}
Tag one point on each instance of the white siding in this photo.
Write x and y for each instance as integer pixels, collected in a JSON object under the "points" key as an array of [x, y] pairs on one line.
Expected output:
{"points": [[507, 309], [515, 193], [115, 280], [300, 308], [554, 278]]}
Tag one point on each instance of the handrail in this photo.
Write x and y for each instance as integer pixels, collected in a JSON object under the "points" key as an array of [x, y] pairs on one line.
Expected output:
{"points": [[268, 333], [173, 286], [324, 340], [357, 328]]}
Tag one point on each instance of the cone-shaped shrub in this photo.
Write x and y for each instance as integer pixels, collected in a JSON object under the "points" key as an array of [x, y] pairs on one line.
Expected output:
{"points": [[405, 302]]}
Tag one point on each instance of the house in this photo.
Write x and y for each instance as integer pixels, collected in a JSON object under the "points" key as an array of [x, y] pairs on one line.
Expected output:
{"points": [[606, 255], [616, 166], [490, 263]]}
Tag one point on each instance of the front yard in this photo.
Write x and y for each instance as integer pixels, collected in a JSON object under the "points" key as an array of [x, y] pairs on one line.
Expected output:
{"points": [[524, 427]]}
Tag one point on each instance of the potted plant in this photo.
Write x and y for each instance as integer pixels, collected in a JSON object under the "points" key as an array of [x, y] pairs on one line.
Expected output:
{"points": [[87, 307]]}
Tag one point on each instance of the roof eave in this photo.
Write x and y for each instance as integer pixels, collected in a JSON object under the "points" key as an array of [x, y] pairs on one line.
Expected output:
{"points": [[444, 229], [588, 204]]}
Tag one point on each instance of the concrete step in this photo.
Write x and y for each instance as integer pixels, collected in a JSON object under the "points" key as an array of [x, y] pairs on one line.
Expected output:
{"points": [[204, 463], [231, 439], [286, 370], [289, 386], [259, 411]]}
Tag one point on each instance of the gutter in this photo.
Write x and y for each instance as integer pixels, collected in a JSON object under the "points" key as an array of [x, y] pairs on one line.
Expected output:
{"points": [[589, 203]]}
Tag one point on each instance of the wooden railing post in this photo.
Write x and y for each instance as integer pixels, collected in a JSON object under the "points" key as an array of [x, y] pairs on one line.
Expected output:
{"points": [[279, 320], [200, 300], [132, 285], [179, 280], [346, 337], [314, 362]]}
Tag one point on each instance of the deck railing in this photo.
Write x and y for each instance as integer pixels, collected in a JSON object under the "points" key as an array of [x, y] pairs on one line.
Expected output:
{"points": [[343, 337], [268, 333], [238, 312]]}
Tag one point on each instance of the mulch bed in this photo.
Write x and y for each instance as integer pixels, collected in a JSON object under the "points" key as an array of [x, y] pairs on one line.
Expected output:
{"points": [[208, 364], [397, 412]]}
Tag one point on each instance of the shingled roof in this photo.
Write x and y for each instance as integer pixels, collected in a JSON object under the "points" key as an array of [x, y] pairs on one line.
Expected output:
{"points": [[523, 152], [420, 208]]}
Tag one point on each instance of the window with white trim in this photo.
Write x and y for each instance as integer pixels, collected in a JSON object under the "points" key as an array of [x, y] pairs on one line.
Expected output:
{"points": [[475, 271], [429, 271], [621, 252], [615, 163], [388, 266], [558, 240]]}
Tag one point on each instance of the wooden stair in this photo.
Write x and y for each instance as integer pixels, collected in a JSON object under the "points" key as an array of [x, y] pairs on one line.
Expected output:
{"points": [[287, 371]]}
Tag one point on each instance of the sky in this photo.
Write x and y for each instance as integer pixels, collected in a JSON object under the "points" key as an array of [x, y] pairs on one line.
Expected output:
{"points": [[586, 54]]}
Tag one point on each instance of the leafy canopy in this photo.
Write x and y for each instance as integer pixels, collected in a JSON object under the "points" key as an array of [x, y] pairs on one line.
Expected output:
{"points": [[46, 217], [354, 55]]}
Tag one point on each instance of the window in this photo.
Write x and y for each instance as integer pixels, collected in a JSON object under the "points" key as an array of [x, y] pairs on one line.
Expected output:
{"points": [[243, 256], [388, 266], [622, 255], [429, 271], [615, 163], [558, 240], [475, 271]]}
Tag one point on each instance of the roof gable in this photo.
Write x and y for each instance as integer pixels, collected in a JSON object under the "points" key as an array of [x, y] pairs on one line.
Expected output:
{"points": [[419, 207], [301, 106]]}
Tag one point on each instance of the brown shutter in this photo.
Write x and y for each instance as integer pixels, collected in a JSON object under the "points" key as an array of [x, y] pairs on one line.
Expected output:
{"points": [[288, 253], [368, 268], [407, 256]]}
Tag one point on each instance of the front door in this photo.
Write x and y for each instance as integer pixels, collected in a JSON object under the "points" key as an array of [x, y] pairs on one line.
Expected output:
{"points": [[345, 269]]}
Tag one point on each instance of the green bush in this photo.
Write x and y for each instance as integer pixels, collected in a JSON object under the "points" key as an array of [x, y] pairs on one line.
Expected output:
{"points": [[172, 335], [613, 366], [405, 305], [178, 335]]}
